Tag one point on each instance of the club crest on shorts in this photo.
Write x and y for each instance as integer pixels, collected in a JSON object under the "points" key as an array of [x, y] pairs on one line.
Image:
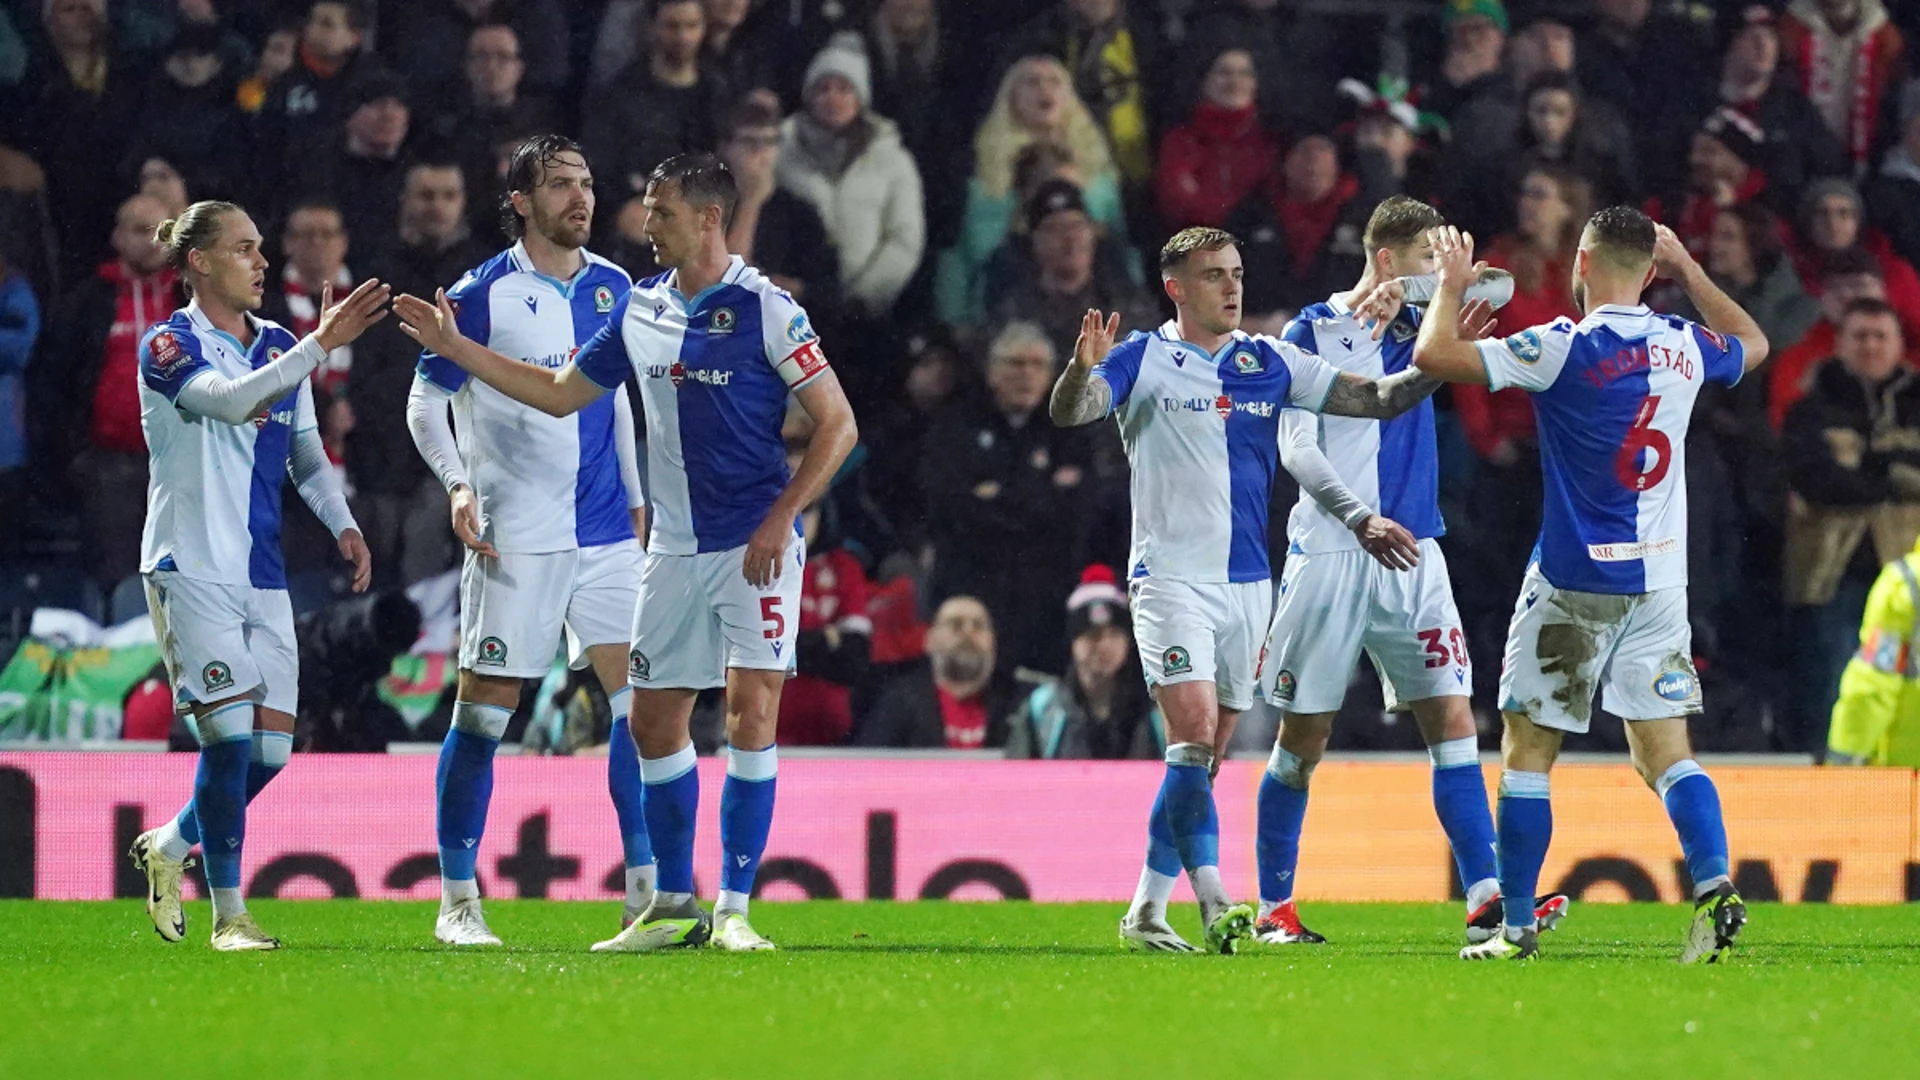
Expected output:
{"points": [[602, 300], [217, 676], [721, 322], [1177, 661], [638, 667], [1283, 687], [493, 652]]}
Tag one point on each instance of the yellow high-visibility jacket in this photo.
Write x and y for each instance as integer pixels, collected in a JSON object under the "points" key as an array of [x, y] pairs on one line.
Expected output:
{"points": [[1876, 720]]}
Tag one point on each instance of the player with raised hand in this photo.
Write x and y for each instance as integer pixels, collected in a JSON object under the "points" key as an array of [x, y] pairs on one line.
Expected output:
{"points": [[717, 350], [1365, 572], [1604, 605], [1198, 403], [548, 508], [228, 415]]}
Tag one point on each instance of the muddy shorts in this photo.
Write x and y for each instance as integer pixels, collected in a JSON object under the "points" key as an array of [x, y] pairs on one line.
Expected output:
{"points": [[1563, 646]]}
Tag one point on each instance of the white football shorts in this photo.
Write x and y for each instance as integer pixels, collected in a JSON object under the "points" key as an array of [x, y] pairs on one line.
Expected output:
{"points": [[698, 617], [224, 641], [1201, 632], [514, 608], [1564, 645], [1335, 604]]}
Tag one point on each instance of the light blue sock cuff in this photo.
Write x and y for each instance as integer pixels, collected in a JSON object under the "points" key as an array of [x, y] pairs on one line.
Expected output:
{"points": [[486, 721], [1515, 784], [669, 768], [753, 764], [1675, 773], [1455, 753], [272, 748], [620, 702], [1188, 753]]}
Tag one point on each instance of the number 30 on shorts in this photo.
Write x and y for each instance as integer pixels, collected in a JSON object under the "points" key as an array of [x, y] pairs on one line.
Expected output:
{"points": [[1439, 654], [770, 614]]}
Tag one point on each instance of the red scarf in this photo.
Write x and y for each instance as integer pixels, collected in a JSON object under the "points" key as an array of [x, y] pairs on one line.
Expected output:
{"points": [[965, 720], [1820, 54], [1308, 224], [138, 303]]}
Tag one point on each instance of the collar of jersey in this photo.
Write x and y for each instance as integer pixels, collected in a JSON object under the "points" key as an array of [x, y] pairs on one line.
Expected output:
{"points": [[199, 318], [524, 263], [1621, 309], [1167, 335], [734, 266]]}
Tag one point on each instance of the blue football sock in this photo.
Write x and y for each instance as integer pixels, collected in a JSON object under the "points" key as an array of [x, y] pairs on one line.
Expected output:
{"points": [[672, 807], [1526, 828], [464, 785], [623, 784], [1163, 853], [1693, 804], [1191, 816], [746, 815], [1282, 809], [1460, 801], [271, 749]]}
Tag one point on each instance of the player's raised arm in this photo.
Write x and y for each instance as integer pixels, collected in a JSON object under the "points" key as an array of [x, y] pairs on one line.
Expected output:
{"points": [[1080, 396], [1723, 316], [1441, 351], [205, 392], [557, 393]]}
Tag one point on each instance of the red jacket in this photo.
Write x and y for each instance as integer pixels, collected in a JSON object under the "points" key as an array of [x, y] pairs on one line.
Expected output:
{"points": [[817, 711], [137, 304], [1489, 417], [1814, 54], [1902, 283], [1691, 214], [1212, 163]]}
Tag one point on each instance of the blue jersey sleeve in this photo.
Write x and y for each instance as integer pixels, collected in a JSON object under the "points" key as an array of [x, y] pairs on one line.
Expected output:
{"points": [[1725, 357], [604, 357], [169, 359], [1122, 366], [474, 318], [1299, 333]]}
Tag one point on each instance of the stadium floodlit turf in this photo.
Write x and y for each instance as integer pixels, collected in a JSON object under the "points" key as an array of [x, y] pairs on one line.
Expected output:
{"points": [[950, 989]]}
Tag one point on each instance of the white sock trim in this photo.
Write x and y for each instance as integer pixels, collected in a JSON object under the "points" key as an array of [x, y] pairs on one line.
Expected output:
{"points": [[475, 718], [272, 748], [1675, 773], [1516, 784], [671, 767], [731, 901], [753, 764], [1453, 753], [1190, 753], [228, 903], [453, 891], [620, 702], [1285, 766], [1155, 889], [231, 721], [170, 842]]}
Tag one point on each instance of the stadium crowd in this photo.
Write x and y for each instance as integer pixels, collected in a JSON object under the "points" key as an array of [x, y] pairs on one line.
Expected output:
{"points": [[947, 187]]}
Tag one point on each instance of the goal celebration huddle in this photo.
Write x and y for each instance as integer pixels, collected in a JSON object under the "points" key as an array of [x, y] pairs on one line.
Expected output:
{"points": [[689, 578]]}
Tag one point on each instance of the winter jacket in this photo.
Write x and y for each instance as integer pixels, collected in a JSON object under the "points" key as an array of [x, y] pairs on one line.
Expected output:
{"points": [[871, 204], [1847, 79], [1843, 445], [19, 329], [1210, 163], [1053, 723], [961, 284], [1893, 204], [1876, 720]]}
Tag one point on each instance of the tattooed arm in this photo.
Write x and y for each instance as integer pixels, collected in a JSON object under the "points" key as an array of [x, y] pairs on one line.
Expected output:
{"points": [[1378, 399]]}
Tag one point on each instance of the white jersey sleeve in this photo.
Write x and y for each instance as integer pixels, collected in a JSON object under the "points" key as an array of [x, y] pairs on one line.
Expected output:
{"points": [[792, 346], [1530, 360], [1313, 378]]}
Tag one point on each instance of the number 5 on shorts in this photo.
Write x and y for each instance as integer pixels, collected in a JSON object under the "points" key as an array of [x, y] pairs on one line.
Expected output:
{"points": [[770, 614]]}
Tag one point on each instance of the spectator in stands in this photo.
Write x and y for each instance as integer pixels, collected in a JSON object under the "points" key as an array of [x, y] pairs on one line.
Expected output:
{"points": [[1893, 199], [1552, 209], [1852, 448], [1555, 130], [400, 505], [937, 374], [1038, 121], [77, 114], [1723, 170], [915, 85], [1306, 243], [1648, 65], [314, 245], [277, 55], [1004, 490], [1062, 275], [1831, 217], [157, 177], [1476, 97], [848, 163], [188, 120], [662, 104], [95, 339], [19, 331], [772, 228], [491, 112], [1295, 53], [1746, 258], [832, 647], [956, 699], [430, 42], [306, 106], [1845, 277], [365, 174], [1799, 148], [1850, 61], [734, 56], [1112, 61], [1221, 155], [1100, 708]]}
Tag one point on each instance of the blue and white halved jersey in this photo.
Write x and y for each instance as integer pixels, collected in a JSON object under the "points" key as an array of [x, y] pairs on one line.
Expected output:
{"points": [[715, 370], [213, 492], [1391, 465], [1202, 436], [546, 483], [1613, 395]]}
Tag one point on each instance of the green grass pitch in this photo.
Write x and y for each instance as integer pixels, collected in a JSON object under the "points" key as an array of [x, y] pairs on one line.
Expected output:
{"points": [[950, 989]]}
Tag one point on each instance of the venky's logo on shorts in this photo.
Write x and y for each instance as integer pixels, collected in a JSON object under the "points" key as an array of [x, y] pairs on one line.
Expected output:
{"points": [[639, 669], [1283, 687], [1676, 686], [217, 676], [493, 652], [1177, 661]]}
